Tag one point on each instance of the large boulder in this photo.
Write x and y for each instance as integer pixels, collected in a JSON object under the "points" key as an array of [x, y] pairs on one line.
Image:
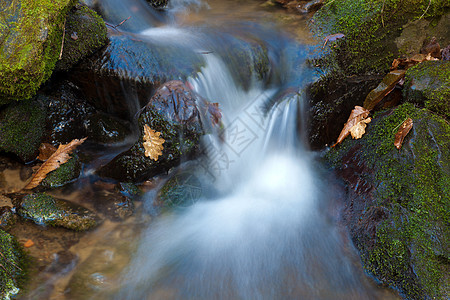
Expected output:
{"points": [[398, 200], [173, 112], [13, 266], [30, 38]]}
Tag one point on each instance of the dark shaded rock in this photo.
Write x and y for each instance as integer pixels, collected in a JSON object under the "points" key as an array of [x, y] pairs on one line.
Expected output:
{"points": [[398, 200], [181, 190], [173, 112], [432, 47], [13, 262], [85, 33], [331, 101], [21, 129], [129, 189], [130, 67], [44, 209], [7, 216], [428, 84], [113, 205], [107, 129], [446, 53], [159, 4], [30, 43], [66, 173], [310, 6]]}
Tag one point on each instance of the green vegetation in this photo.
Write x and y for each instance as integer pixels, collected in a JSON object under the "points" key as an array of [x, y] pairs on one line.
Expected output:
{"points": [[66, 173]]}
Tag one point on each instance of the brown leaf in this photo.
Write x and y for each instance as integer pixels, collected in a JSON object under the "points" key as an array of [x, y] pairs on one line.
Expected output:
{"points": [[45, 151], [358, 130], [402, 132], [28, 244], [152, 143], [53, 162], [384, 88], [332, 38], [358, 113]]}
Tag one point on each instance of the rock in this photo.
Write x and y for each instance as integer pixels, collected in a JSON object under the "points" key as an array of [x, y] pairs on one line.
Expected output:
{"points": [[310, 6], [159, 4], [173, 112], [66, 173], [85, 34], [131, 67], [446, 53], [398, 200], [30, 39], [44, 209], [107, 129], [181, 190], [130, 190], [428, 84], [7, 216], [13, 266], [113, 206], [21, 129]]}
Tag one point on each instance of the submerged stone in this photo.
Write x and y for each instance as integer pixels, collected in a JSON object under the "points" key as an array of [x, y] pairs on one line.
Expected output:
{"points": [[398, 200], [181, 190], [44, 209]]}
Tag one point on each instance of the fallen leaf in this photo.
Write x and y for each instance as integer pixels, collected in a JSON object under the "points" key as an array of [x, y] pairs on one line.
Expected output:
{"points": [[28, 244], [45, 151], [402, 132], [358, 114], [332, 38], [152, 143], [58, 158], [359, 129], [385, 87]]}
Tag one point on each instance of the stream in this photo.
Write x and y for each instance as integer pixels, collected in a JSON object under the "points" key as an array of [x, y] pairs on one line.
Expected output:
{"points": [[262, 220]]}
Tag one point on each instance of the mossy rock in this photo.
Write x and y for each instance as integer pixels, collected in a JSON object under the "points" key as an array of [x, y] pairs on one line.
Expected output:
{"points": [[428, 84], [31, 35], [85, 33], [66, 173], [370, 28], [181, 190], [13, 266], [398, 200], [21, 129], [44, 209]]}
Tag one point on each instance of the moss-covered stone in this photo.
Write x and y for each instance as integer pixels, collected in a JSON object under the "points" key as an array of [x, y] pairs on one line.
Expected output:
{"points": [[13, 266], [399, 201], [428, 84], [66, 173], [44, 209], [370, 28], [181, 190], [21, 129], [85, 33], [30, 43]]}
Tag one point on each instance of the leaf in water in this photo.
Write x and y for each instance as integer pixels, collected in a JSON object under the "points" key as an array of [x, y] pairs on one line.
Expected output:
{"points": [[384, 88], [358, 114], [58, 158], [359, 129], [152, 143], [45, 151], [28, 244], [402, 132]]}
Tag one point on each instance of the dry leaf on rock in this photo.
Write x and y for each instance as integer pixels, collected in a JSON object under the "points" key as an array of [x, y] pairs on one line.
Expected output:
{"points": [[152, 143], [359, 129], [402, 132], [58, 158], [385, 87], [45, 151], [358, 114]]}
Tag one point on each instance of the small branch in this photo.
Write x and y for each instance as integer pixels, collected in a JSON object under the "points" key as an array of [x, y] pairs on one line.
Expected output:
{"points": [[115, 26], [429, 3], [382, 10], [62, 43]]}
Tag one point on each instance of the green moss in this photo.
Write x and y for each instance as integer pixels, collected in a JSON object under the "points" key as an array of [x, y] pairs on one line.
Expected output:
{"points": [[428, 84], [13, 262], [182, 190], [370, 27], [31, 45], [66, 173], [413, 185], [21, 128]]}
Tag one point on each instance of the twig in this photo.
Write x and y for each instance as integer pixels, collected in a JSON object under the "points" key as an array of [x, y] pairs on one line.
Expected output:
{"points": [[62, 43], [11, 262], [382, 10], [429, 3], [395, 129], [115, 26]]}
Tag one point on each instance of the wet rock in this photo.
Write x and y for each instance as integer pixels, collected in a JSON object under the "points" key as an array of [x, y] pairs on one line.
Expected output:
{"points": [[12, 270], [159, 4], [130, 190], [85, 33], [131, 67], [30, 40], [7, 216], [428, 84], [113, 206], [310, 6], [446, 53], [21, 129], [397, 202], [44, 209], [107, 129], [181, 190], [66, 173], [173, 112]]}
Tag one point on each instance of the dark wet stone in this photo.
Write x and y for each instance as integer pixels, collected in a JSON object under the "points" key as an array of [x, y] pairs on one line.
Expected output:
{"points": [[66, 173], [44, 209], [106, 129], [159, 4], [173, 112], [310, 6], [129, 189], [398, 200]]}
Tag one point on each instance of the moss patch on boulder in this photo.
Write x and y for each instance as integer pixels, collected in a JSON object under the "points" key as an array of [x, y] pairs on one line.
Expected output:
{"points": [[66, 173], [399, 201], [30, 44]]}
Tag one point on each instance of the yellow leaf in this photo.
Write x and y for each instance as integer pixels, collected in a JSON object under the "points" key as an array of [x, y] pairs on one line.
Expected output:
{"points": [[358, 130], [153, 143], [58, 158]]}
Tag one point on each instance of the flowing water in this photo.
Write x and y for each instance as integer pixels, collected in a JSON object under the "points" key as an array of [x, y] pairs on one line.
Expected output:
{"points": [[264, 224]]}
